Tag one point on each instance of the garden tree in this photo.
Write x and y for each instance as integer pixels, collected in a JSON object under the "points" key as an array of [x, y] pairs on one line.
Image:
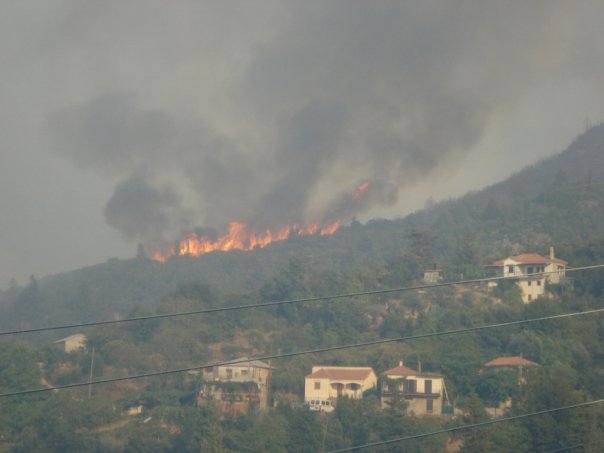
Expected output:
{"points": [[552, 387], [200, 429], [458, 358], [60, 423], [353, 416], [266, 432], [508, 437], [18, 366], [396, 404], [474, 439], [496, 386], [304, 430]]}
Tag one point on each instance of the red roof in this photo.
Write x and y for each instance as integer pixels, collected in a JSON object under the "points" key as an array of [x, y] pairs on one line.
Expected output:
{"points": [[510, 361], [401, 370], [530, 258], [341, 373]]}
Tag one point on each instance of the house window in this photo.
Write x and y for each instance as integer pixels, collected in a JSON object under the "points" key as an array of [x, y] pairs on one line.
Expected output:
{"points": [[530, 297], [510, 269], [529, 270], [428, 386], [529, 283], [538, 282], [317, 385], [243, 372], [229, 373], [429, 405], [411, 386]]}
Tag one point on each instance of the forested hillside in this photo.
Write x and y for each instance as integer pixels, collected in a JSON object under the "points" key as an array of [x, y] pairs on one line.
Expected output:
{"points": [[558, 202]]}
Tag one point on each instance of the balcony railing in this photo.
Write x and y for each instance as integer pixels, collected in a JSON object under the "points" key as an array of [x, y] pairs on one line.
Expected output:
{"points": [[410, 394]]}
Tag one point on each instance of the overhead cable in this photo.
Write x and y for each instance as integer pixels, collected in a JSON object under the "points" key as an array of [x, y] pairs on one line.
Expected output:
{"points": [[309, 351], [287, 302], [467, 426]]}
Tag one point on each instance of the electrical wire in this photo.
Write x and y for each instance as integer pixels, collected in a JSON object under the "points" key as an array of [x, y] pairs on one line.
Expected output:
{"points": [[309, 351], [469, 426], [572, 447], [287, 302]]}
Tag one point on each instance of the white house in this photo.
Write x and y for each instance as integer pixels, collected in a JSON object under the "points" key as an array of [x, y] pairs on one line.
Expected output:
{"points": [[73, 342], [423, 392], [327, 383], [533, 269]]}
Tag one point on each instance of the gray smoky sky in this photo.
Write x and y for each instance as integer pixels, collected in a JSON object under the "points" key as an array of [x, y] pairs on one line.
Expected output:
{"points": [[137, 121]]}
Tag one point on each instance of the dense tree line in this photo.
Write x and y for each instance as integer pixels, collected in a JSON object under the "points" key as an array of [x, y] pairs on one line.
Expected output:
{"points": [[558, 202]]}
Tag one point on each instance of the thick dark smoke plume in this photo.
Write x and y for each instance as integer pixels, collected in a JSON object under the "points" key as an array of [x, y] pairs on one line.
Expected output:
{"points": [[338, 93]]}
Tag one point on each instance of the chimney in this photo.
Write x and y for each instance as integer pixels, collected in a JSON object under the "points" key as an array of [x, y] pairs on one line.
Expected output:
{"points": [[551, 253]]}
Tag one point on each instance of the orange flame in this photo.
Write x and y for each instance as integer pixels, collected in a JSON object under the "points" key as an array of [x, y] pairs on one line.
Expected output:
{"points": [[360, 191], [239, 237]]}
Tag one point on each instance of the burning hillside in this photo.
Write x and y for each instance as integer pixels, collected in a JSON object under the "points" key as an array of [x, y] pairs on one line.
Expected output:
{"points": [[241, 236]]}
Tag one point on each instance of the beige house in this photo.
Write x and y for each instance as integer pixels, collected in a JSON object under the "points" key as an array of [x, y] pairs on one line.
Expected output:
{"points": [[73, 342], [423, 392], [433, 276], [251, 376], [533, 269], [327, 383]]}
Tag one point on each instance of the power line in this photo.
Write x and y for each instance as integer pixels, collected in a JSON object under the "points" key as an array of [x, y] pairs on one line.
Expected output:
{"points": [[572, 447], [309, 351], [286, 302], [462, 427]]}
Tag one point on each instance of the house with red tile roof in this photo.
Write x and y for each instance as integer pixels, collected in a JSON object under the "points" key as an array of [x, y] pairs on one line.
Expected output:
{"points": [[325, 384], [533, 271], [511, 361], [422, 391], [515, 363]]}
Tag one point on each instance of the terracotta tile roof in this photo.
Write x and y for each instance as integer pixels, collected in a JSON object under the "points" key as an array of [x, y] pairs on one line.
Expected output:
{"points": [[529, 258], [341, 374], [401, 370], [510, 361]]}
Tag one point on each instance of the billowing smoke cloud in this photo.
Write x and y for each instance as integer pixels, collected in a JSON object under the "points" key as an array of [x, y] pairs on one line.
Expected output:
{"points": [[337, 93], [140, 210]]}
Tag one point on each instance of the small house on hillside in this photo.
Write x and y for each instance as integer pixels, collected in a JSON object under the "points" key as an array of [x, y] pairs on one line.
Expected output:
{"points": [[517, 363], [423, 392], [433, 276], [237, 383], [501, 395], [327, 383], [73, 342], [533, 271]]}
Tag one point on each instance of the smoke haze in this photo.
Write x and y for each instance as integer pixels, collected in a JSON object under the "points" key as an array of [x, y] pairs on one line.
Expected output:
{"points": [[195, 114]]}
